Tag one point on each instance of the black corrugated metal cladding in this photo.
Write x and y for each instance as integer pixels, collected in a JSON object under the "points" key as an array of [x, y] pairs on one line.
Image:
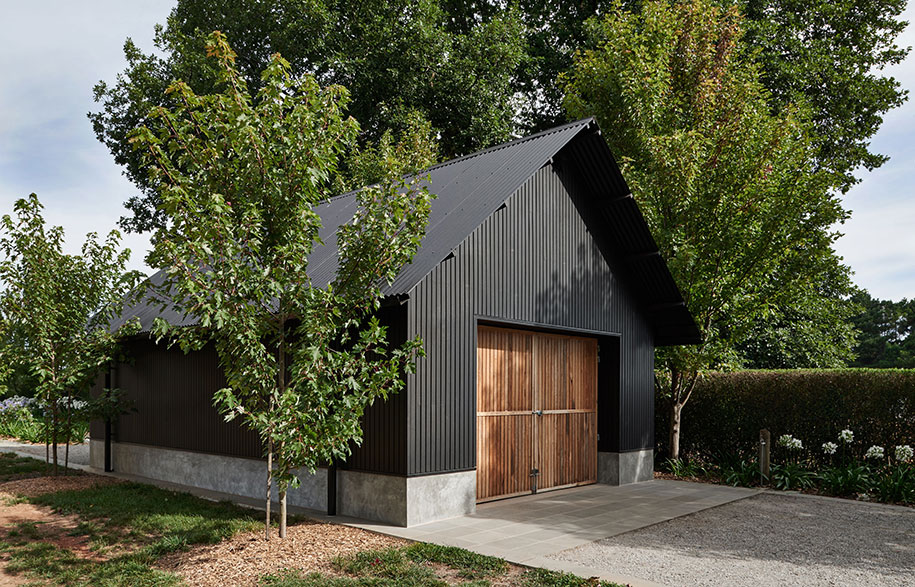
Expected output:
{"points": [[533, 261]]}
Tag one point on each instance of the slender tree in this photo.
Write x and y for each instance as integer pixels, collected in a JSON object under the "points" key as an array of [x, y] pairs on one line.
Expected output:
{"points": [[240, 177], [732, 192], [57, 309], [404, 68]]}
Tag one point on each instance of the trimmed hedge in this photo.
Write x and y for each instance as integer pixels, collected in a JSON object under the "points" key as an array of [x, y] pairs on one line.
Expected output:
{"points": [[727, 410]]}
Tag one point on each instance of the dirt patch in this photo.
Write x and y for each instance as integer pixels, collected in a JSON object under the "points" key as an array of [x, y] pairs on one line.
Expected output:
{"points": [[242, 560], [36, 486], [41, 524]]}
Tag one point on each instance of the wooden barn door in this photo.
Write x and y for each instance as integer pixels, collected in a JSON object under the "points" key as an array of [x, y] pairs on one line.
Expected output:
{"points": [[536, 412]]}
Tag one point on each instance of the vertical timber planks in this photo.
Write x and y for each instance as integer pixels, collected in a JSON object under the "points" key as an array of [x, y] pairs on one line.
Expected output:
{"points": [[536, 409]]}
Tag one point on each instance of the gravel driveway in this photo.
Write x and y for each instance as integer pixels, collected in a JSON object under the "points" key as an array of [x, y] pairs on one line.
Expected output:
{"points": [[770, 539]]}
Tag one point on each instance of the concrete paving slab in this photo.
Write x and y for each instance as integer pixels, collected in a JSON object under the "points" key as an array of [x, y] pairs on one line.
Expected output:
{"points": [[525, 530]]}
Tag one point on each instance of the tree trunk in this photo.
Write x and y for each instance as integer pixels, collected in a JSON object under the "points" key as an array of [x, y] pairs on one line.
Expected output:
{"points": [[282, 514], [676, 409], [69, 432], [269, 487], [281, 380], [54, 437]]}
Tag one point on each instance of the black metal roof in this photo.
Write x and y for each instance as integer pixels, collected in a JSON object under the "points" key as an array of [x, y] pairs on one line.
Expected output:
{"points": [[471, 188]]}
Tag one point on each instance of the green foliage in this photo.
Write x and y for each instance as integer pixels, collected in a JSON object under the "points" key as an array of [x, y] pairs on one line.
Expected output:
{"points": [[791, 476], [240, 177], [410, 565], [845, 480], [729, 409], [56, 308], [401, 61], [732, 194], [742, 474], [829, 56], [469, 565], [24, 425], [895, 483], [684, 468], [813, 330], [390, 564], [886, 332], [20, 423], [544, 578]]}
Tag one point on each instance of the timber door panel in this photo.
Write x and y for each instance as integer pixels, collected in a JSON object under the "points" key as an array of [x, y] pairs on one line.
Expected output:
{"points": [[536, 410], [504, 412]]}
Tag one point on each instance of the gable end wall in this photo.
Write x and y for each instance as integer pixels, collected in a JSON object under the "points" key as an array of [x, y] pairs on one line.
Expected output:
{"points": [[533, 261]]}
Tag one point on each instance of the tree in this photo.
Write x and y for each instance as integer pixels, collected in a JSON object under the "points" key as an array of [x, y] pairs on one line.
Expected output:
{"points": [[239, 176], [403, 66], [887, 332], [57, 307], [812, 330], [828, 56], [731, 192]]}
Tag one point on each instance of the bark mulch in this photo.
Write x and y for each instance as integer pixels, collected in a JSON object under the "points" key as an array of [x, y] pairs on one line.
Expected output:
{"points": [[243, 559]]}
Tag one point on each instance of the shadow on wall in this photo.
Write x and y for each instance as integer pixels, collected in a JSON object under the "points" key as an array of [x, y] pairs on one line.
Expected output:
{"points": [[579, 292]]}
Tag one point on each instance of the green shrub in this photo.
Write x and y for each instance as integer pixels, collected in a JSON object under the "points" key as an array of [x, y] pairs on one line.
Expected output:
{"points": [[845, 481], [791, 476], [744, 473], [727, 410], [684, 468], [23, 418], [895, 483]]}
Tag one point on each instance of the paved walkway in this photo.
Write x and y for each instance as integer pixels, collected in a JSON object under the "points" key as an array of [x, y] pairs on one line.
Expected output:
{"points": [[525, 530], [79, 453]]}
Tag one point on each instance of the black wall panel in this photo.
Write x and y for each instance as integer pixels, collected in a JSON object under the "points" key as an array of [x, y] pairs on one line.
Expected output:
{"points": [[532, 262]]}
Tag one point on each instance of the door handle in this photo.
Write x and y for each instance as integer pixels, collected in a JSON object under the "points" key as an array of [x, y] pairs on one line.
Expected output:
{"points": [[537, 412]]}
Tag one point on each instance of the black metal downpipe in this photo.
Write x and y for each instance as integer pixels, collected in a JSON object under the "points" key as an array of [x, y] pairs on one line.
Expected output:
{"points": [[332, 489], [108, 468]]}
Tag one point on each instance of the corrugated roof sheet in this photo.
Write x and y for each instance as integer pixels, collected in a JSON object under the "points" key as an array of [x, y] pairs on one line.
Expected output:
{"points": [[469, 189]]}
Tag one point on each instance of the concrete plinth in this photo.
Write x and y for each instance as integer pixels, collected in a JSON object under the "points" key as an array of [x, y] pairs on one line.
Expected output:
{"points": [[235, 475], [620, 468], [404, 501]]}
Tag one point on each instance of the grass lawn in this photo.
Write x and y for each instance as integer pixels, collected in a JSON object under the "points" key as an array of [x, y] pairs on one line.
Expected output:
{"points": [[120, 533], [16, 467]]}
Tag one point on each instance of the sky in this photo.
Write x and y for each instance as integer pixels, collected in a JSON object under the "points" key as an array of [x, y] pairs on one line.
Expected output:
{"points": [[52, 52]]}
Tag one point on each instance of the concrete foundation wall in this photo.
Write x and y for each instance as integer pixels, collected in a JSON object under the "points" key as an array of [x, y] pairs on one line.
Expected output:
{"points": [[436, 497], [620, 468], [404, 501], [238, 476]]}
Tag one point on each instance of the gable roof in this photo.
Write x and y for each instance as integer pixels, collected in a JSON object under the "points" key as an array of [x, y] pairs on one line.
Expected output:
{"points": [[470, 189]]}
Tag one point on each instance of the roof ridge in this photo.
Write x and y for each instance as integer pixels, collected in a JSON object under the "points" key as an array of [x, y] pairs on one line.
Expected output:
{"points": [[511, 143], [505, 145]]}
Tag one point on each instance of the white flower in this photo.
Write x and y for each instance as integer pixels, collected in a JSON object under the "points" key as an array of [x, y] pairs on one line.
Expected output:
{"points": [[790, 442], [874, 452], [904, 453], [846, 435], [829, 448]]}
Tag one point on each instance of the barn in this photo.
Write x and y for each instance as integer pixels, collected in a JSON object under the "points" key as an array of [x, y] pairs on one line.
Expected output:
{"points": [[540, 296]]}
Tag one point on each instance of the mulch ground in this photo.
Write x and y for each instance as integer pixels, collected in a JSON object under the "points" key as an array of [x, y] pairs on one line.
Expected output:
{"points": [[243, 559]]}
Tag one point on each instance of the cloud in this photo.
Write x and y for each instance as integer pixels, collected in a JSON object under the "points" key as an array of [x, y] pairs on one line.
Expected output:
{"points": [[51, 56], [879, 241]]}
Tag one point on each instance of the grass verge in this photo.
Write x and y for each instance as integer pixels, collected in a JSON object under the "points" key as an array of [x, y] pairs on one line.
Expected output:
{"points": [[16, 467], [427, 565]]}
